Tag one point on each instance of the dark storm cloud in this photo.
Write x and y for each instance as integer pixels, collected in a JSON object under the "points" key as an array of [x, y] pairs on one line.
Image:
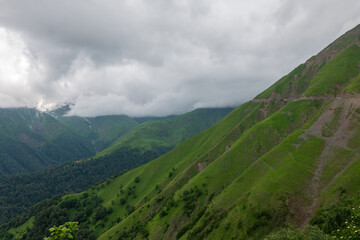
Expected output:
{"points": [[157, 57]]}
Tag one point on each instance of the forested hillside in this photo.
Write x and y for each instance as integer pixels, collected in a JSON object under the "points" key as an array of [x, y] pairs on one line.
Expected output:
{"points": [[101, 131], [31, 140], [19, 192]]}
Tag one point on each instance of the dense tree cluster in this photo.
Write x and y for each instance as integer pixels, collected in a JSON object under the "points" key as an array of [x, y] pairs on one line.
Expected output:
{"points": [[19, 192], [56, 212]]}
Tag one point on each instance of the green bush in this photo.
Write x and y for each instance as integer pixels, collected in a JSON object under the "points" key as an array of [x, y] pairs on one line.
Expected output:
{"points": [[63, 232]]}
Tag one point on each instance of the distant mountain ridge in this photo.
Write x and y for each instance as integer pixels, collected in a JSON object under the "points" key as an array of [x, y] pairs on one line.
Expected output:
{"points": [[31, 140], [82, 174], [170, 131], [101, 131]]}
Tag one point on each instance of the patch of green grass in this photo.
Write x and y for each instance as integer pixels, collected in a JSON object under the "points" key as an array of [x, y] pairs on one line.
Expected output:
{"points": [[22, 229], [354, 86], [337, 159], [169, 132], [266, 185], [336, 74], [347, 182]]}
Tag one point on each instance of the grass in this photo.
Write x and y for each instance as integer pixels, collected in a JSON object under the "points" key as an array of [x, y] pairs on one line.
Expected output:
{"points": [[169, 132], [354, 86], [181, 157], [21, 230], [336, 161], [336, 74], [347, 182], [253, 144], [258, 187]]}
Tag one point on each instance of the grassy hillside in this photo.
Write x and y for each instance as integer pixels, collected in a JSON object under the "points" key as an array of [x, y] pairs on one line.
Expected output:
{"points": [[101, 131], [230, 127], [339, 72], [31, 140], [169, 132], [82, 174]]}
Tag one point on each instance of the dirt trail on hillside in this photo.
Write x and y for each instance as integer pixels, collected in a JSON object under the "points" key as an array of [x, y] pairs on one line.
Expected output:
{"points": [[339, 139]]}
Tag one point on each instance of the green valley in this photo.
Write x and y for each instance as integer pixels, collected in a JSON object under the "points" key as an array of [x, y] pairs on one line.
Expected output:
{"points": [[19, 192]]}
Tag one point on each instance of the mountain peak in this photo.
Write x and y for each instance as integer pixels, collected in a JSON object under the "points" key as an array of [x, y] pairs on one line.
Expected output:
{"points": [[333, 71]]}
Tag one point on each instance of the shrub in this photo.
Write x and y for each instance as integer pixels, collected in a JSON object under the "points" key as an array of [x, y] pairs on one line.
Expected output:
{"points": [[63, 232]]}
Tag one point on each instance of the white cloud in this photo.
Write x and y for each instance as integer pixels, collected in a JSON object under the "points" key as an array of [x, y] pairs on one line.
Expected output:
{"points": [[14, 70], [157, 57]]}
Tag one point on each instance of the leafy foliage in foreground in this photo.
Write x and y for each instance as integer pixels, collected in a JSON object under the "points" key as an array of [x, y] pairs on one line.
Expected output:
{"points": [[55, 212], [63, 232], [342, 219]]}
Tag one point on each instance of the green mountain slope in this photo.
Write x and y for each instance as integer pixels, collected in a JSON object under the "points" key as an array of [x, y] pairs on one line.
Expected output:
{"points": [[101, 131], [18, 192], [287, 155], [31, 140], [146, 119], [151, 178], [82, 174], [168, 133]]}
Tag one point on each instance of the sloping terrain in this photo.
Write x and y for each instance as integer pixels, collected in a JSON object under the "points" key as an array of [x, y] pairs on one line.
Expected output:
{"points": [[102, 131], [18, 192], [31, 140], [273, 161], [168, 133]]}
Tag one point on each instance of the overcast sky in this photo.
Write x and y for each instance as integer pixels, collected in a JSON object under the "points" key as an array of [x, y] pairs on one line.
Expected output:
{"points": [[157, 57]]}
